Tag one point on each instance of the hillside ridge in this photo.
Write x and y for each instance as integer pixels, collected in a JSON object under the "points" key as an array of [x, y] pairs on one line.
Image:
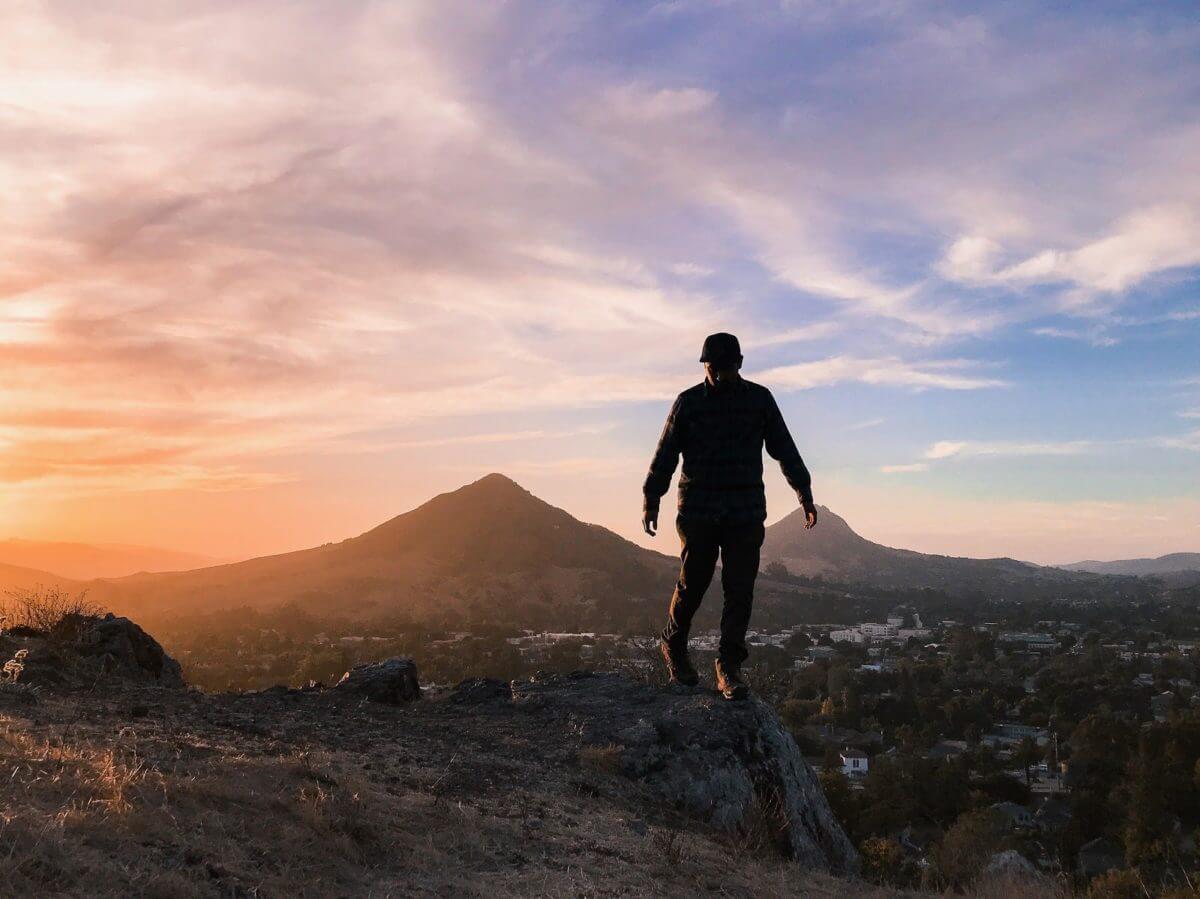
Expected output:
{"points": [[1169, 563]]}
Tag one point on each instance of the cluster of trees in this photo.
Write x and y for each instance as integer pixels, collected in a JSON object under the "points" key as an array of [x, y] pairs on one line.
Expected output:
{"points": [[1133, 780]]}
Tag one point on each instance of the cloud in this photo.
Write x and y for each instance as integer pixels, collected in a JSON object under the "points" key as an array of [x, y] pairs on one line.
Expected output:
{"points": [[945, 374], [574, 466], [969, 258], [1189, 441], [815, 331], [902, 469], [1146, 242], [689, 270], [355, 443], [963, 449], [1095, 335], [966, 449], [642, 103], [868, 423]]}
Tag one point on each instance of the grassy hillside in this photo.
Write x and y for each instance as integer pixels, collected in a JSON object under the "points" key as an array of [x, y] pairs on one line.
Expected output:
{"points": [[175, 794]]}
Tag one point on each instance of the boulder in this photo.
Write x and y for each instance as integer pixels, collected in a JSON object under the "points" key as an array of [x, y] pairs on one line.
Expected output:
{"points": [[1010, 864], [127, 650], [732, 764], [393, 681]]}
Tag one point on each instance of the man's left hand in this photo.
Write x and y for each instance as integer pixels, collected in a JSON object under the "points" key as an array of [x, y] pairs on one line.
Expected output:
{"points": [[810, 514]]}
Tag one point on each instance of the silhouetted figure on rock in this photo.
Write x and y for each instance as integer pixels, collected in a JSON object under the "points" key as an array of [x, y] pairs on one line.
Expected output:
{"points": [[720, 427]]}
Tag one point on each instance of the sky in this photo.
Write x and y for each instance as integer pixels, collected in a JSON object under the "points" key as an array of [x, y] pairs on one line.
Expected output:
{"points": [[274, 272]]}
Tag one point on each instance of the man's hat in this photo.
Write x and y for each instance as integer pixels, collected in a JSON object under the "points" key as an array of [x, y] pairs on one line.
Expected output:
{"points": [[721, 347]]}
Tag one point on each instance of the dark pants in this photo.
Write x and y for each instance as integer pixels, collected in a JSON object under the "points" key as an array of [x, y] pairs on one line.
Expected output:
{"points": [[737, 544]]}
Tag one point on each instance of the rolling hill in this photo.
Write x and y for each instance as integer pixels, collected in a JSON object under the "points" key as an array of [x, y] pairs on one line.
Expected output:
{"points": [[833, 550], [1171, 563], [84, 561], [483, 553], [17, 577]]}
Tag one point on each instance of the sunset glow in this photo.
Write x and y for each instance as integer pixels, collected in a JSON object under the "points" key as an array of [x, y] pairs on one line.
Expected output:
{"points": [[273, 273]]}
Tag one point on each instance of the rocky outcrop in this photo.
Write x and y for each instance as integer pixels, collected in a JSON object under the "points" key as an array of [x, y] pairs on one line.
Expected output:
{"points": [[732, 764], [392, 681], [125, 649], [82, 648]]}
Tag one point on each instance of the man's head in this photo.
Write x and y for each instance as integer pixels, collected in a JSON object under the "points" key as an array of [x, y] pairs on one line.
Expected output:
{"points": [[722, 357]]}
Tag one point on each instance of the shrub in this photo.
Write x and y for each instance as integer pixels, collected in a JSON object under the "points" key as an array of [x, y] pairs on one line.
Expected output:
{"points": [[968, 846], [885, 862], [46, 610]]}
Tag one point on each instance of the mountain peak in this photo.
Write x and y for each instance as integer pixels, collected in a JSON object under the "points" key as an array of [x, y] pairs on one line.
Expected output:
{"points": [[829, 523], [495, 481]]}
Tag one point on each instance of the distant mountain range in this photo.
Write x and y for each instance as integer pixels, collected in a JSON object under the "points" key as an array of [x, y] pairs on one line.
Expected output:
{"points": [[84, 561], [1168, 564], [492, 552], [17, 577], [834, 551]]}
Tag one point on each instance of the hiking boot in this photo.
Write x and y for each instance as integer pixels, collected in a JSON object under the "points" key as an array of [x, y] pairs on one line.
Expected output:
{"points": [[730, 683], [679, 666]]}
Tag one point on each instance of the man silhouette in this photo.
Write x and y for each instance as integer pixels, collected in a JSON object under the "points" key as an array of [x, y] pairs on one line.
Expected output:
{"points": [[720, 427]]}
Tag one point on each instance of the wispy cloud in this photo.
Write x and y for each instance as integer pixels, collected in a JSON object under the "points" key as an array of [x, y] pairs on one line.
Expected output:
{"points": [[1146, 241], [591, 466], [867, 423], [965, 449], [945, 374], [815, 331], [1096, 335], [1188, 441], [355, 442], [903, 469], [643, 103]]}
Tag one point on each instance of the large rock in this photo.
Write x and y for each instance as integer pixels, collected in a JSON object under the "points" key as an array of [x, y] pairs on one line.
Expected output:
{"points": [[1012, 865], [392, 681], [732, 764], [127, 650]]}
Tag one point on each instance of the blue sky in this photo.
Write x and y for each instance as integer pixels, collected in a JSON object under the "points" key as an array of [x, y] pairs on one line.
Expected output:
{"points": [[275, 272]]}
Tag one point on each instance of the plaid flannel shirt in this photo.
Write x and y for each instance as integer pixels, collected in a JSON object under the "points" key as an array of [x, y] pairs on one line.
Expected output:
{"points": [[721, 432]]}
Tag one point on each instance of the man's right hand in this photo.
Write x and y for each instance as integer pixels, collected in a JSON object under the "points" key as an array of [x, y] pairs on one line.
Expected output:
{"points": [[650, 521]]}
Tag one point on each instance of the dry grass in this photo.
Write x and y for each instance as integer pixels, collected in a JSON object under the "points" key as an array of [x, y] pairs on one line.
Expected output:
{"points": [[183, 806], [44, 609], [604, 760], [1009, 886]]}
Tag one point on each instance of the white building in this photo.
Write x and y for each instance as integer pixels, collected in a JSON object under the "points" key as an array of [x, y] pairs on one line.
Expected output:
{"points": [[1030, 642], [847, 635], [877, 631], [854, 763], [867, 632]]}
